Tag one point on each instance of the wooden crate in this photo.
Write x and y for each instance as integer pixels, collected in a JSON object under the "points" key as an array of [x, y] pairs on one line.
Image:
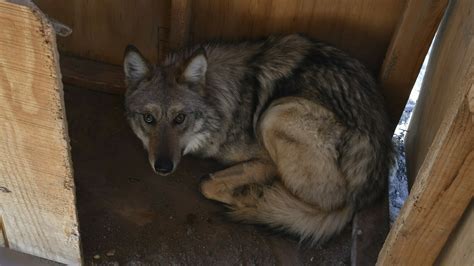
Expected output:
{"points": [[37, 201]]}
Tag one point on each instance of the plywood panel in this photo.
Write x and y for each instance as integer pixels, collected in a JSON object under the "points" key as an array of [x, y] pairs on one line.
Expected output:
{"points": [[102, 29], [442, 141], [363, 28], [37, 200]]}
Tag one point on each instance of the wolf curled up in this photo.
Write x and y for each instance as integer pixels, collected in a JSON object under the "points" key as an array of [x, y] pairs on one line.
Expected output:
{"points": [[300, 124]]}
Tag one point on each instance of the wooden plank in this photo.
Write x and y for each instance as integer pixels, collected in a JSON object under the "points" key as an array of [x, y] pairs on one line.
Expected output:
{"points": [[440, 87], [102, 29], [407, 50], [442, 191], [444, 185], [363, 28], [37, 199], [179, 24], [459, 250], [92, 75]]}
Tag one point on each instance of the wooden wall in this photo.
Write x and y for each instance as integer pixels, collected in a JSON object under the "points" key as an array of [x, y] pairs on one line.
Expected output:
{"points": [[101, 29], [390, 36], [363, 28]]}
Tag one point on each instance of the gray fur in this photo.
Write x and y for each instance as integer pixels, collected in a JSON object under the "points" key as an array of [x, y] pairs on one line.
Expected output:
{"points": [[259, 101]]}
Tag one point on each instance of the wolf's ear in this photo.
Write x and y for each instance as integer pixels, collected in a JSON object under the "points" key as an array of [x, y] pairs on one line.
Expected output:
{"points": [[135, 65], [195, 68]]}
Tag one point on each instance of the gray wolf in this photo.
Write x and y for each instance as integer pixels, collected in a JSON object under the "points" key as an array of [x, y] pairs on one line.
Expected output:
{"points": [[300, 125]]}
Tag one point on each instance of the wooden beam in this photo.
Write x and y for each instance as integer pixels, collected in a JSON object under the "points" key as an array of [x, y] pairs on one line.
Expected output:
{"points": [[459, 250], [37, 197], [442, 191], [179, 24], [441, 85], [94, 75], [407, 50], [444, 186]]}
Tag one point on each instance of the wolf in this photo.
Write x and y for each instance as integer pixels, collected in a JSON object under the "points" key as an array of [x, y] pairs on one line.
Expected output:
{"points": [[300, 125]]}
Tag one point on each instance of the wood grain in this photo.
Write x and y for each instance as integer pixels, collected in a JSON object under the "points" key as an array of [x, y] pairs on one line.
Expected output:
{"points": [[459, 250], [179, 24], [407, 50], [102, 29], [92, 75], [441, 85], [37, 200], [363, 28], [442, 140]]}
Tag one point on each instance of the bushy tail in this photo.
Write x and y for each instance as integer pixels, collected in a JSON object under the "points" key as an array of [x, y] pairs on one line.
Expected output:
{"points": [[278, 208]]}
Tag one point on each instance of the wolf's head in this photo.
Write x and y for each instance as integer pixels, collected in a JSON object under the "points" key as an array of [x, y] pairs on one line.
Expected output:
{"points": [[165, 106]]}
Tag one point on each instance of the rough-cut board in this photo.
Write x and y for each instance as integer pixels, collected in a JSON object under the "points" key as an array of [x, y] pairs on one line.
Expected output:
{"points": [[37, 200], [102, 29], [442, 83], [459, 250], [444, 186], [408, 49]]}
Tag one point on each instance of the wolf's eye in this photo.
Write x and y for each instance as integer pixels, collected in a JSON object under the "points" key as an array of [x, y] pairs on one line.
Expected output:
{"points": [[179, 118], [148, 118]]}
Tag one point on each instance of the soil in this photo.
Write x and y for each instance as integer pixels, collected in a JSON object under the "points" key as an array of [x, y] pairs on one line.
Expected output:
{"points": [[128, 215]]}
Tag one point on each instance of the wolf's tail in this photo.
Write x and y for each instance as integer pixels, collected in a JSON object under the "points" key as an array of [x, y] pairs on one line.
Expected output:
{"points": [[276, 207]]}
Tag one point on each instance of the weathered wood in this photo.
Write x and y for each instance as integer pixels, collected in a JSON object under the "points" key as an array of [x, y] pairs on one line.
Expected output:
{"points": [[444, 185], [92, 75], [102, 29], [442, 191], [441, 85], [407, 50], [37, 200], [459, 250], [179, 24]]}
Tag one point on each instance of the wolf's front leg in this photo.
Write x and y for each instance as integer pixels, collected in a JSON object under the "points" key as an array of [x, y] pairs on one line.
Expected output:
{"points": [[221, 186]]}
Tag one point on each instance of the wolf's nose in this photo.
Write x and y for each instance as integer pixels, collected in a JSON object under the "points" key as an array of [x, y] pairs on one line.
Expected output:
{"points": [[163, 166]]}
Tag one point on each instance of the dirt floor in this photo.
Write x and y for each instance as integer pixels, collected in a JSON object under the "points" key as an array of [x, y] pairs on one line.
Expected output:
{"points": [[129, 215]]}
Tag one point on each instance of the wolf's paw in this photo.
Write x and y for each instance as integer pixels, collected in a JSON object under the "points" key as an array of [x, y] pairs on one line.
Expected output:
{"points": [[215, 189]]}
